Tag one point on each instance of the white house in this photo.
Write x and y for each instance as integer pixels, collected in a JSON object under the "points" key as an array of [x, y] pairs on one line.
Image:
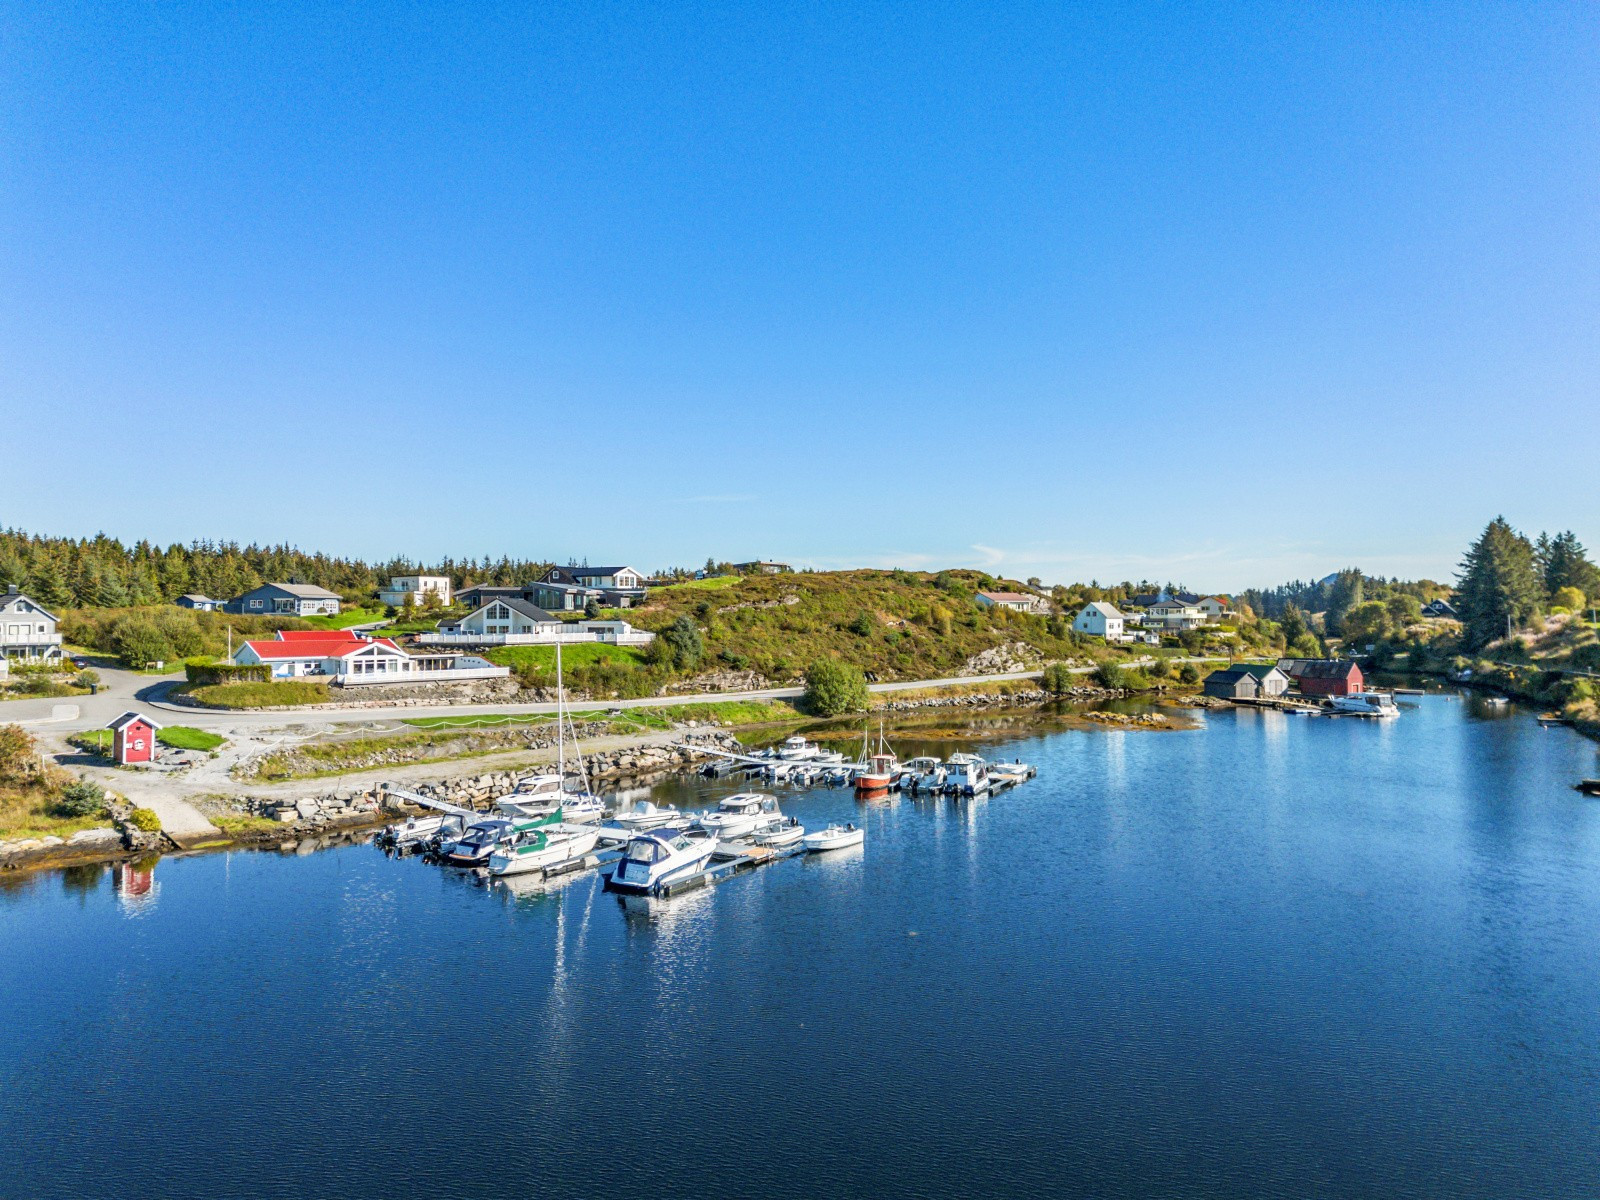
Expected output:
{"points": [[1215, 608], [1172, 614], [1015, 601], [502, 616], [417, 587], [1099, 619], [27, 631], [349, 660]]}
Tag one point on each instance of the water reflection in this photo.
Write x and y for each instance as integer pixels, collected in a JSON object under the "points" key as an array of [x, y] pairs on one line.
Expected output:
{"points": [[136, 885]]}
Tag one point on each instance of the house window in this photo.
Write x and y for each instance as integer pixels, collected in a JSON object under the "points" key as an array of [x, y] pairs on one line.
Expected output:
{"points": [[255, 604]]}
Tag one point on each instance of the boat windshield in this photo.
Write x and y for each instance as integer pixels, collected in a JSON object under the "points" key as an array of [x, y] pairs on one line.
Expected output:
{"points": [[646, 850]]}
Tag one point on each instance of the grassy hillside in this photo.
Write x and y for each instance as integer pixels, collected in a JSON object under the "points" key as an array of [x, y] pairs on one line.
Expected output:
{"points": [[893, 624]]}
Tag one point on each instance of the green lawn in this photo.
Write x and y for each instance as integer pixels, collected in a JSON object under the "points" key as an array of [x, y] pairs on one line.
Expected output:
{"points": [[179, 737], [580, 655], [262, 695], [715, 581], [486, 721], [347, 618]]}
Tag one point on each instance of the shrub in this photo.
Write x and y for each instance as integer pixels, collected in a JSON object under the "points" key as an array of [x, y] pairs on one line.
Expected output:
{"points": [[80, 799], [863, 625], [86, 678], [1189, 673], [834, 687], [1057, 679], [145, 819], [1569, 598], [1110, 676], [206, 674]]}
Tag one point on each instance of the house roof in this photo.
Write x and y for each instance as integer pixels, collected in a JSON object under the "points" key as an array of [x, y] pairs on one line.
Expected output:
{"points": [[315, 643], [196, 596], [1104, 609], [1326, 668], [516, 604], [1007, 597], [8, 599], [1258, 671], [302, 591], [128, 718], [586, 572]]}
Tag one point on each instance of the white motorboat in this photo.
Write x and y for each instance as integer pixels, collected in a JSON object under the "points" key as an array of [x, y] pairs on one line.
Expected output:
{"points": [[646, 815], [741, 814], [797, 749], [1364, 704], [785, 834], [926, 774], [835, 837], [536, 796], [966, 775], [828, 758], [480, 839], [661, 856], [1010, 773], [414, 831], [534, 849]]}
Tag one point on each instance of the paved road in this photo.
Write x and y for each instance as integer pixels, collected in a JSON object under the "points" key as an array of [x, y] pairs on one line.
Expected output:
{"points": [[123, 690]]}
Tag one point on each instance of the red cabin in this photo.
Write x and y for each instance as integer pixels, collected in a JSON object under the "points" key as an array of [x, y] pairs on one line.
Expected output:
{"points": [[1330, 677], [133, 738]]}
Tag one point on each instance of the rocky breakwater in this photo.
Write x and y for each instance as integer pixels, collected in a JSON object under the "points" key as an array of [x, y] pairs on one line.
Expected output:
{"points": [[351, 808], [1008, 699], [1129, 720]]}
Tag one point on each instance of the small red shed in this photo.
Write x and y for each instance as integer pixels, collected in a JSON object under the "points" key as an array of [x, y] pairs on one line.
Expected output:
{"points": [[1330, 677], [133, 738]]}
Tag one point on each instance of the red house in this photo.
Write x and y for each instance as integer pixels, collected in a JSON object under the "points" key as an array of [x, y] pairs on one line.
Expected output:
{"points": [[1330, 677], [133, 738]]}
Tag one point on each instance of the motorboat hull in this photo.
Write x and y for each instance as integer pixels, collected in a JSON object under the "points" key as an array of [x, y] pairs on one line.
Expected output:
{"points": [[514, 861], [834, 839]]}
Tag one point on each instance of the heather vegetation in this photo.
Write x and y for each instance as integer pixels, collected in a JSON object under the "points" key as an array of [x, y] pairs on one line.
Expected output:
{"points": [[39, 799]]}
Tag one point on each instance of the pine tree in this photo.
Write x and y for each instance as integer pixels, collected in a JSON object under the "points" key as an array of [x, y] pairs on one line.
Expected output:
{"points": [[1566, 564], [1498, 587], [46, 585]]}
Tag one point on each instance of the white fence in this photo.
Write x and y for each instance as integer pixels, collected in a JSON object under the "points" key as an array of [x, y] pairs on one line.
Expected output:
{"points": [[638, 637], [456, 675]]}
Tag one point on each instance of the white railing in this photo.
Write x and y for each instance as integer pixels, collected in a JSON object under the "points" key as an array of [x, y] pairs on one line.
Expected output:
{"points": [[455, 675], [30, 638], [638, 637]]}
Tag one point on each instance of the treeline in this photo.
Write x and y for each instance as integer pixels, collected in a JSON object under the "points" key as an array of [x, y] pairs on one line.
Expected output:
{"points": [[1506, 580], [102, 572]]}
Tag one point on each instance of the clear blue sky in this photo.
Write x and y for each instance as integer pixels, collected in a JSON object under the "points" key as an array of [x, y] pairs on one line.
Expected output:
{"points": [[1221, 293]]}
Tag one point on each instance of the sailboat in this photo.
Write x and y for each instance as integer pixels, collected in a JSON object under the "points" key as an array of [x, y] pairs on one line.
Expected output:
{"points": [[882, 769], [540, 794]]}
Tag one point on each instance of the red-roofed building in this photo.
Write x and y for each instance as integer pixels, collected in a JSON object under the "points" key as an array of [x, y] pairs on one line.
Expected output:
{"points": [[298, 652], [349, 658]]}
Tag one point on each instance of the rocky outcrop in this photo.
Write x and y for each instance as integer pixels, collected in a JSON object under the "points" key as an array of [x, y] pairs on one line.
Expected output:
{"points": [[999, 660], [719, 681]]}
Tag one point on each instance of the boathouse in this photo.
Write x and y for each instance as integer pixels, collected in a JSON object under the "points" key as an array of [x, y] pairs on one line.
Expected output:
{"points": [[133, 738], [1329, 677], [1247, 681]]}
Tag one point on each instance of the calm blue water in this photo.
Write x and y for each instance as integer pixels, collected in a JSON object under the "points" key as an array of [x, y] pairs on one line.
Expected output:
{"points": [[1277, 957]]}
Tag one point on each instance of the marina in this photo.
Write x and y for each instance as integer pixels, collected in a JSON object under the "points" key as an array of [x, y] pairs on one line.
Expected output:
{"points": [[1440, 867]]}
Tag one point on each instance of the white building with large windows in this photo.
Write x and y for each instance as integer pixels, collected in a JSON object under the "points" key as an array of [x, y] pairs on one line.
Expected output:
{"points": [[351, 659], [417, 588], [508, 621]]}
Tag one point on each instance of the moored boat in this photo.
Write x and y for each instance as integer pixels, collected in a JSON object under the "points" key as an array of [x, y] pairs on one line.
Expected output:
{"points": [[741, 815], [1364, 704], [785, 834], [660, 857], [967, 775], [646, 815], [835, 837], [538, 848]]}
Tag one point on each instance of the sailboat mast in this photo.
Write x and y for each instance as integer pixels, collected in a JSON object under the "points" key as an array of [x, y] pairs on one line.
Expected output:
{"points": [[561, 719]]}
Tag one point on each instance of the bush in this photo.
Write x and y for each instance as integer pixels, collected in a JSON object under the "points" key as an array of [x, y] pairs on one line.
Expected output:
{"points": [[863, 625], [1110, 676], [207, 674], [86, 678], [834, 687], [1057, 679], [80, 799], [145, 819], [1189, 673]]}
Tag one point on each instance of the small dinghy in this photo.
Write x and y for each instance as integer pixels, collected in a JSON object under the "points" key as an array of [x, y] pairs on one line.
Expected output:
{"points": [[787, 834], [835, 837]]}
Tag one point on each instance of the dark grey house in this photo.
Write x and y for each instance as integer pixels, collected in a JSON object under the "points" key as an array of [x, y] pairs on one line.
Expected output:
{"points": [[285, 600], [198, 603], [1441, 608], [479, 593], [1248, 681]]}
